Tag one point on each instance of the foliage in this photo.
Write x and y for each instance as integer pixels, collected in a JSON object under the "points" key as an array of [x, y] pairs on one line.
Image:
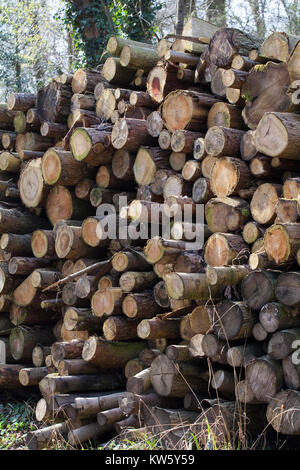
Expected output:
{"points": [[93, 23], [16, 418]]}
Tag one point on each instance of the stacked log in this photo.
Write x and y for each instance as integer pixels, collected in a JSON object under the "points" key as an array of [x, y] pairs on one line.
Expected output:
{"points": [[147, 327]]}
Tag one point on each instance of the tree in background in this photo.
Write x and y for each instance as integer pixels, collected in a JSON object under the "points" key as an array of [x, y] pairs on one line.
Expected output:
{"points": [[33, 47], [92, 22], [216, 12]]}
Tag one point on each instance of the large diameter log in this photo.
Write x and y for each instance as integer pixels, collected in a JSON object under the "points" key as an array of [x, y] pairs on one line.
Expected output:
{"points": [[33, 191], [287, 289], [105, 354], [228, 42], [221, 141], [169, 379], [186, 110], [283, 412], [277, 135], [282, 241], [54, 102], [225, 249], [264, 202], [148, 161], [274, 316], [23, 341], [278, 46], [264, 376], [258, 288], [229, 175], [130, 134], [69, 243], [226, 214], [282, 343], [232, 320], [265, 90], [21, 101], [191, 286], [63, 205], [59, 167]]}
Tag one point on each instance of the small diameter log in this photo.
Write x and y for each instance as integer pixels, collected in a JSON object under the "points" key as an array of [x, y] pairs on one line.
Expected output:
{"points": [[258, 288], [160, 294], [217, 85], [108, 417], [41, 278], [139, 383], [16, 245], [175, 380], [177, 160], [87, 432], [10, 162], [9, 140], [122, 165], [221, 141], [21, 101], [75, 367], [202, 190], [85, 80], [90, 406], [67, 349], [30, 377], [105, 354], [282, 343], [226, 275], [148, 161], [191, 170], [158, 328], [130, 134], [139, 306], [53, 130], [199, 149], [43, 438], [264, 376], [200, 319], [191, 286], [264, 202], [154, 124], [241, 356], [91, 146], [252, 231], [226, 214], [224, 382], [207, 165], [63, 205], [274, 316], [291, 372], [225, 249], [33, 191], [129, 261], [54, 383], [183, 141], [118, 328], [43, 244], [81, 319], [229, 175], [21, 266], [225, 115], [23, 341], [69, 243], [281, 242], [233, 78], [164, 139], [133, 367], [137, 281], [39, 354], [59, 167], [115, 73], [83, 188]]}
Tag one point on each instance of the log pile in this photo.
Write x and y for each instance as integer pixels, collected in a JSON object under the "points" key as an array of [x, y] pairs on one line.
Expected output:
{"points": [[125, 332]]}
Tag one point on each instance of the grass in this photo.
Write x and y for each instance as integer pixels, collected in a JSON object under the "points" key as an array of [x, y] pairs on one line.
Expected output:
{"points": [[16, 419]]}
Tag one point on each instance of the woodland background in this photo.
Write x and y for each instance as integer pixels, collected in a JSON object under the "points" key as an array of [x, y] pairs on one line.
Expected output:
{"points": [[43, 38]]}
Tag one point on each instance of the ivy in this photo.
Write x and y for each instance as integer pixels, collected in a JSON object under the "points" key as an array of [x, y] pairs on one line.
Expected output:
{"points": [[91, 25]]}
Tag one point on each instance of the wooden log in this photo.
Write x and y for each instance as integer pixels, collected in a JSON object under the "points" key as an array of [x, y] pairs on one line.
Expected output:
{"points": [[21, 266], [42, 438], [158, 328], [39, 354], [282, 343], [225, 115], [282, 129], [81, 320], [69, 243], [90, 406], [21, 101], [33, 191], [164, 139], [264, 376], [43, 243], [23, 341], [190, 286], [59, 167], [140, 306], [9, 140], [221, 141], [241, 356], [154, 124], [175, 380], [291, 372], [264, 201], [258, 288], [87, 432], [10, 162], [232, 320], [225, 249], [91, 145], [16, 245], [85, 80], [281, 242], [31, 376], [226, 275], [282, 412], [61, 204], [226, 214], [137, 281], [72, 367], [229, 175], [19, 222], [287, 289], [105, 354], [130, 134], [148, 161], [278, 46], [115, 73], [118, 328], [216, 85], [161, 81], [67, 349], [193, 108]]}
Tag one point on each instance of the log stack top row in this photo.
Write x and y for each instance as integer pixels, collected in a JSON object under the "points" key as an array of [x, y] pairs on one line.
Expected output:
{"points": [[123, 332]]}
